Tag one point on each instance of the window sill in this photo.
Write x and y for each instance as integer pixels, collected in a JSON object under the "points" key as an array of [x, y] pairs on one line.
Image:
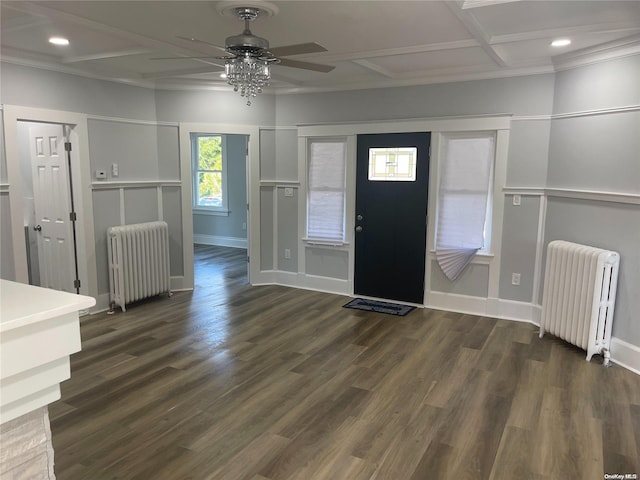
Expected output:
{"points": [[324, 243], [206, 211]]}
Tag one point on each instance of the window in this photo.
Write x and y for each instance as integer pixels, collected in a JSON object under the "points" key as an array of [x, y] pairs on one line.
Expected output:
{"points": [[326, 190], [396, 164], [209, 175], [464, 199]]}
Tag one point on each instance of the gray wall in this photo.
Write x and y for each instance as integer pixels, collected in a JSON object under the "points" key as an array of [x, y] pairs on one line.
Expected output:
{"points": [[613, 227], [32, 87], [527, 157], [528, 153], [279, 166], [143, 152], [213, 107], [519, 236], [590, 152], [233, 225], [520, 95], [600, 152]]}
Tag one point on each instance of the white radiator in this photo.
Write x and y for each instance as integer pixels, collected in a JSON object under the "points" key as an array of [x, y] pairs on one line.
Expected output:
{"points": [[579, 295], [138, 262]]}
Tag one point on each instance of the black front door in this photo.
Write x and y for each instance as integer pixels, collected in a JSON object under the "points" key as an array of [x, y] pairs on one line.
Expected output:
{"points": [[391, 216]]}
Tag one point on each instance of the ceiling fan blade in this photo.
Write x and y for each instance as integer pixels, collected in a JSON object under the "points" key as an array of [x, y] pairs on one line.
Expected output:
{"points": [[191, 39], [316, 67], [298, 49], [206, 57]]}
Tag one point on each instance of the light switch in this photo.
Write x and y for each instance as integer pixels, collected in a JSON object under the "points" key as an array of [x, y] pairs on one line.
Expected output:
{"points": [[114, 170], [288, 191], [516, 199]]}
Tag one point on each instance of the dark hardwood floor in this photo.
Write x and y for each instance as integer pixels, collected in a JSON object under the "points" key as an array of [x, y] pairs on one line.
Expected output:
{"points": [[268, 383]]}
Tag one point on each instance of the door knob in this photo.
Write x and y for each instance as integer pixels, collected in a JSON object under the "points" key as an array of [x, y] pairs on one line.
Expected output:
{"points": [[359, 217], [37, 228], [358, 229]]}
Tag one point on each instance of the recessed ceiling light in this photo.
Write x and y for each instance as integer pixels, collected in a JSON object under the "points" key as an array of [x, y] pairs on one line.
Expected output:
{"points": [[561, 42], [59, 41]]}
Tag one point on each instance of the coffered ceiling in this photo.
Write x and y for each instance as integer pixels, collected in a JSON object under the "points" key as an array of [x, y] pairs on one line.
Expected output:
{"points": [[370, 43]]}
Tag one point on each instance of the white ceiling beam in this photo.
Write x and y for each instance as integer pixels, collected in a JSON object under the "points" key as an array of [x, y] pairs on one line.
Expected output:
{"points": [[103, 55], [475, 29], [22, 22], [40, 10], [617, 48], [183, 71], [603, 28], [483, 3], [389, 52], [375, 68]]}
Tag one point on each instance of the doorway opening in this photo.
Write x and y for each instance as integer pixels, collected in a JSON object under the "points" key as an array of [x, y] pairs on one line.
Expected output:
{"points": [[219, 165], [49, 215]]}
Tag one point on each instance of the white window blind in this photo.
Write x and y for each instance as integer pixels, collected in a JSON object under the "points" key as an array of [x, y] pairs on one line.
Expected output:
{"points": [[326, 190], [462, 200]]}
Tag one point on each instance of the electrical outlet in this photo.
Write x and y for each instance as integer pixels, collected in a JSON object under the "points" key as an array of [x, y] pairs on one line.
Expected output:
{"points": [[515, 279], [101, 174], [516, 199], [288, 191], [244, 226], [287, 253]]}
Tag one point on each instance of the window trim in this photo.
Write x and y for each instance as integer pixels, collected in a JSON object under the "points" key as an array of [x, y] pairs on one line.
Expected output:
{"points": [[223, 209], [306, 238], [487, 249]]}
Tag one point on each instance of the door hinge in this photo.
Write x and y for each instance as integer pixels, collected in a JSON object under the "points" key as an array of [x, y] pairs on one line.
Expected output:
{"points": [[67, 146], [73, 217], [248, 259], [76, 283]]}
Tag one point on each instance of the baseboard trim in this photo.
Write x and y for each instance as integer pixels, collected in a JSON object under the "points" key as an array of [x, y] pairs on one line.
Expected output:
{"points": [[220, 241], [103, 302], [625, 354], [301, 280], [486, 307]]}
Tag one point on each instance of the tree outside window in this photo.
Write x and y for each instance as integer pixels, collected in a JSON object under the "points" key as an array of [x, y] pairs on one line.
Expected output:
{"points": [[208, 169]]}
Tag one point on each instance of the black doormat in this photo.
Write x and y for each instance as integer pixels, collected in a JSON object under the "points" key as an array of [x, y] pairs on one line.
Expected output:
{"points": [[380, 307]]}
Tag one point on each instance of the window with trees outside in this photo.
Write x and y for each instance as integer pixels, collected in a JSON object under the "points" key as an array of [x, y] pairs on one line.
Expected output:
{"points": [[209, 175]]}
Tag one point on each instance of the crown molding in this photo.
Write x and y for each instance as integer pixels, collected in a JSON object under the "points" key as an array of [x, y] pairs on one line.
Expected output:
{"points": [[621, 48], [612, 50], [42, 64]]}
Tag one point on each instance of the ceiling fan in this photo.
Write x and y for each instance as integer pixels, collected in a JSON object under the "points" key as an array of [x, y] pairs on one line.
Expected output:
{"points": [[246, 45], [248, 57]]}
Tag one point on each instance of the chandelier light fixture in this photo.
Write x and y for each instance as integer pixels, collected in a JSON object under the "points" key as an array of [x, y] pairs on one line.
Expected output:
{"points": [[248, 68], [248, 59], [248, 75]]}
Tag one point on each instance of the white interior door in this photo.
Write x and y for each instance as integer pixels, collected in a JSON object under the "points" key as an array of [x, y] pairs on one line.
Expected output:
{"points": [[53, 227]]}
